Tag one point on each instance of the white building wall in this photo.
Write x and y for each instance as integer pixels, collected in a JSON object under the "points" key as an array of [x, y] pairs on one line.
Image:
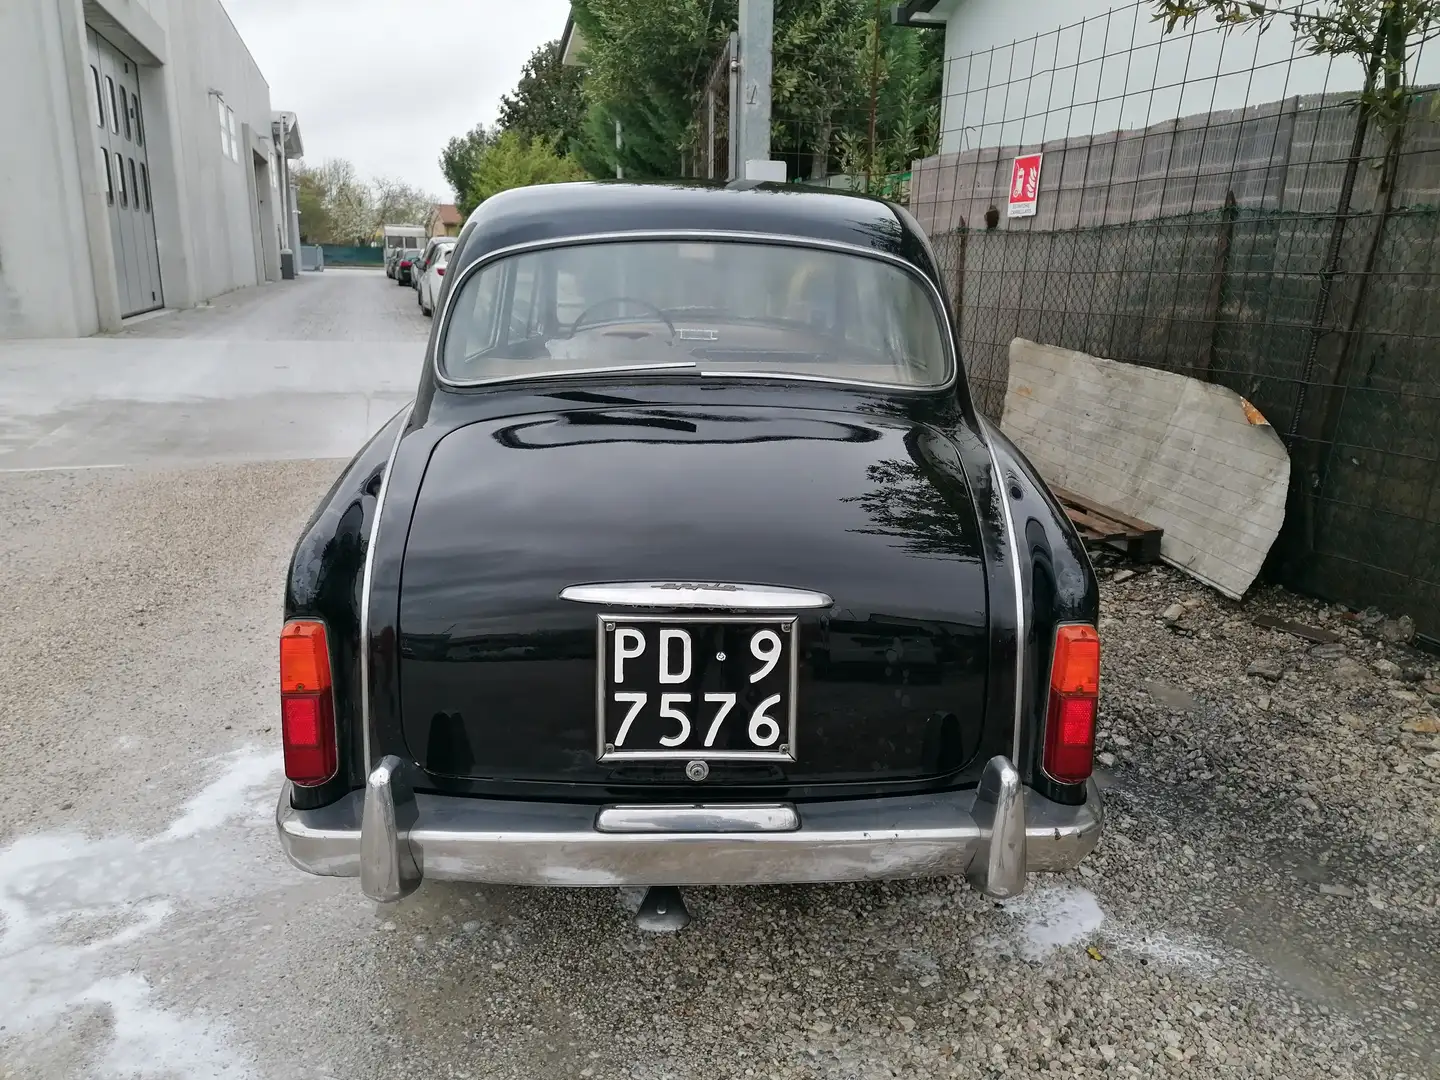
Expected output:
{"points": [[214, 57], [1022, 74], [214, 217], [45, 278]]}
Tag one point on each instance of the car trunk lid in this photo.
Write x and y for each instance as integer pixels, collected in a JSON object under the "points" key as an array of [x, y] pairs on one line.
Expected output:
{"points": [[498, 672]]}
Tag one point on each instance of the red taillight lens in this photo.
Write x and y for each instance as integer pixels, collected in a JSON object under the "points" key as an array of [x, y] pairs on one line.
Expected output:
{"points": [[307, 708], [440, 270], [1074, 693]]}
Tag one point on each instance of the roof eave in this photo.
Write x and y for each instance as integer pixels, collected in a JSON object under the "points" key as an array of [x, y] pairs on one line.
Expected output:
{"points": [[572, 44], [919, 14], [291, 144]]}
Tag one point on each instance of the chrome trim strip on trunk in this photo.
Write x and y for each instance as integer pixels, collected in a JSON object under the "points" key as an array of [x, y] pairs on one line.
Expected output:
{"points": [[367, 575], [1012, 548], [698, 818], [722, 595]]}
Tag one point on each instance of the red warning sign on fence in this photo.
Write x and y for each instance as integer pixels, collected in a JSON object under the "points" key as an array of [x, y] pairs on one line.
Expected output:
{"points": [[1024, 185]]}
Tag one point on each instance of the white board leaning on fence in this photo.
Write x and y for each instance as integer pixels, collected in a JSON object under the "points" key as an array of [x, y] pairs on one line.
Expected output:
{"points": [[1193, 458]]}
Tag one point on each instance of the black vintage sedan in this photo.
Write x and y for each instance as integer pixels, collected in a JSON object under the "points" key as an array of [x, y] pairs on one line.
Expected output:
{"points": [[691, 563]]}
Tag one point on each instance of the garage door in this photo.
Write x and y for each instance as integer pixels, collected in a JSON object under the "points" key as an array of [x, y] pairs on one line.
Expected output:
{"points": [[119, 125]]}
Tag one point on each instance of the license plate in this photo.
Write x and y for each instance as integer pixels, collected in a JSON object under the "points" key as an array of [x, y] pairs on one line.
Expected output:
{"points": [[717, 688]]}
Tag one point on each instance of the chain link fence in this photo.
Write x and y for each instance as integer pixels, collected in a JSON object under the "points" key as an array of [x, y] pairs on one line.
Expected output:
{"points": [[1212, 205], [710, 155]]}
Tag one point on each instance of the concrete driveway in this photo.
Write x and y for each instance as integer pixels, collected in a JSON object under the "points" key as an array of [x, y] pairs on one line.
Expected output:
{"points": [[1264, 902], [303, 369]]}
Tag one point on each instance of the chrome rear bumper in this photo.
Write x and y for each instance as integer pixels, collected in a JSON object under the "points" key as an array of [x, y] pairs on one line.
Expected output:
{"points": [[391, 838]]}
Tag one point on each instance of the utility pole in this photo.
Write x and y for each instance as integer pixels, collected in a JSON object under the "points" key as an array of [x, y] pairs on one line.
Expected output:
{"points": [[757, 31]]}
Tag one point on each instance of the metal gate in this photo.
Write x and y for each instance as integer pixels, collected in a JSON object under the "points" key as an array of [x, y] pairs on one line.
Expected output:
{"points": [[119, 125]]}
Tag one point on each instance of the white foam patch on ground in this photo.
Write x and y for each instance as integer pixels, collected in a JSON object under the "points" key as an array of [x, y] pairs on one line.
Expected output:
{"points": [[1052, 918], [76, 910], [1048, 918], [227, 797]]}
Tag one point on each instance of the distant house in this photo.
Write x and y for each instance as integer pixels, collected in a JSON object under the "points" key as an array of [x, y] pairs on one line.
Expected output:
{"points": [[572, 44], [445, 220]]}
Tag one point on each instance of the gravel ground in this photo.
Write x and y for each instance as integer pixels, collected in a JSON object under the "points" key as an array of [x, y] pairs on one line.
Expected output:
{"points": [[1265, 900]]}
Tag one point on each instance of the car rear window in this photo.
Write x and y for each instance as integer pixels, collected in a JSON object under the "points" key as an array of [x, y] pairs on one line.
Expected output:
{"points": [[719, 307]]}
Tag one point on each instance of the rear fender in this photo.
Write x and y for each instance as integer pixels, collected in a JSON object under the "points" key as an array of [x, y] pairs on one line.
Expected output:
{"points": [[324, 582], [1058, 586]]}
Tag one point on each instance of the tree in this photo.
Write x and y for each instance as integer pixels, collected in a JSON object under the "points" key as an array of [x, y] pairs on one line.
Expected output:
{"points": [[907, 108], [647, 61], [399, 203], [458, 161], [548, 102], [511, 162], [342, 206], [315, 224], [651, 137], [336, 207]]}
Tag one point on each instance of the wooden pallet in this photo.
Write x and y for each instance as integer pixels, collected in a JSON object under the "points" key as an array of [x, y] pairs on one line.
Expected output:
{"points": [[1099, 524]]}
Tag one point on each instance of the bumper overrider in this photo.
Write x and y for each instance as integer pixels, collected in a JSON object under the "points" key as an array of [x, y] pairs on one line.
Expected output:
{"points": [[391, 838]]}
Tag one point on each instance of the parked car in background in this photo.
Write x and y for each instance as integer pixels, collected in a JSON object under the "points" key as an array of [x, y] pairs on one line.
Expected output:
{"points": [[433, 277], [392, 261], [427, 259], [406, 265], [427, 254], [692, 563]]}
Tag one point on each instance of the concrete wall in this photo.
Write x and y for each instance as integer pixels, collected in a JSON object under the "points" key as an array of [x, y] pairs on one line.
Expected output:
{"points": [[1054, 69], [208, 53], [214, 217], [45, 277]]}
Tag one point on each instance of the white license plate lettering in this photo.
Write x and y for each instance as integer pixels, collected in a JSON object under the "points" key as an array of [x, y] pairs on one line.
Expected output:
{"points": [[726, 703], [636, 703], [672, 687], [765, 646], [629, 645], [763, 729], [670, 710], [673, 642]]}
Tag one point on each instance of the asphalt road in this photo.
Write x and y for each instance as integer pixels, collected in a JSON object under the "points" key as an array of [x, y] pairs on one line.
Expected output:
{"points": [[1264, 903]]}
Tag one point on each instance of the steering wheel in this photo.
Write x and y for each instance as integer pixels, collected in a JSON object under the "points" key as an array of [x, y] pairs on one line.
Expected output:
{"points": [[575, 326]]}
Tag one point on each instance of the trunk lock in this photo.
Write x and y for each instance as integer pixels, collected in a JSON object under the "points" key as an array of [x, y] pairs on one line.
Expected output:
{"points": [[697, 770]]}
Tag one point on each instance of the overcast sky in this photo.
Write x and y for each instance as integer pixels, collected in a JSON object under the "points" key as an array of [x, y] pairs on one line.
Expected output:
{"points": [[334, 63]]}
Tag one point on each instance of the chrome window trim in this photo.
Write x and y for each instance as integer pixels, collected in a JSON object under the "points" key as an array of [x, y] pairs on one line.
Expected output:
{"points": [[1012, 546], [721, 595], [367, 577], [719, 235]]}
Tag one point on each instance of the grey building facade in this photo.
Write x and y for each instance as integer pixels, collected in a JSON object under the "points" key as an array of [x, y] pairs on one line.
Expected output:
{"points": [[143, 165]]}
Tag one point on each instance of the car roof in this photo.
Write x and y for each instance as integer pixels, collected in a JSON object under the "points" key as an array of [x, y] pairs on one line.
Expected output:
{"points": [[557, 211]]}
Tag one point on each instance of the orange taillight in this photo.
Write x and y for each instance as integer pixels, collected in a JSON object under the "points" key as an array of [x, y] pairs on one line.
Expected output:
{"points": [[304, 658], [1074, 695], [307, 707], [1075, 668]]}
